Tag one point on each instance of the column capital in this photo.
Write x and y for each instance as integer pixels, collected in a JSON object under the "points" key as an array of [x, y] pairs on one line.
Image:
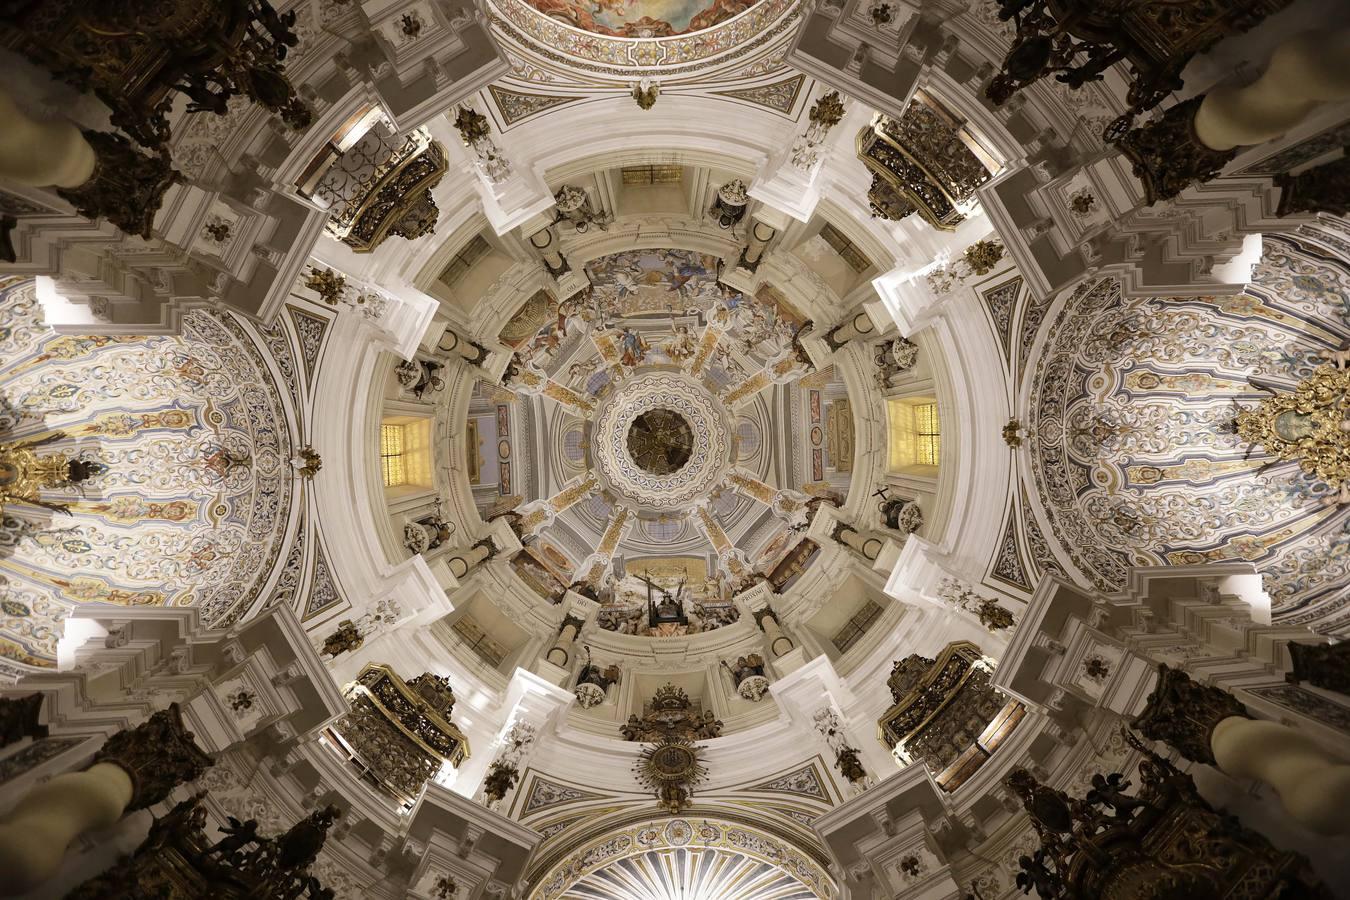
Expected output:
{"points": [[1183, 714], [159, 754]]}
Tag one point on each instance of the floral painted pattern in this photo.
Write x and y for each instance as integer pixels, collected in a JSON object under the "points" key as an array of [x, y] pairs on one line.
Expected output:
{"points": [[193, 506], [1135, 456]]}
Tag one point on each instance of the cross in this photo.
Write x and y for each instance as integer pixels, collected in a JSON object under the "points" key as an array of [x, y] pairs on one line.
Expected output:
{"points": [[882, 492]]}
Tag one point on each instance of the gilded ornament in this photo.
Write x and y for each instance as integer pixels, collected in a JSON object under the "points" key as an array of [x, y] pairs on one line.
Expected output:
{"points": [[24, 474], [645, 93], [347, 638], [217, 230], [991, 615], [329, 285], [307, 462], [1321, 665], [1183, 714], [1311, 426], [660, 441], [920, 162], [1320, 189], [133, 55], [19, 718], [828, 110], [126, 186], [1078, 42], [158, 755], [177, 861], [671, 714], [944, 707], [983, 256], [1082, 202], [396, 198], [1160, 841], [501, 777], [1167, 157], [401, 731], [671, 768], [241, 700], [471, 125]]}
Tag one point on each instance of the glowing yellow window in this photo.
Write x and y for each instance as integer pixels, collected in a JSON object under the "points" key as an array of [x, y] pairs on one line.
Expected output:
{"points": [[927, 434], [391, 455]]}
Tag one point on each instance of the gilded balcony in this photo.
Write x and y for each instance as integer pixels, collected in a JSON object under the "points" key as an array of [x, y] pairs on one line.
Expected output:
{"points": [[399, 734], [946, 713], [925, 161], [379, 186]]}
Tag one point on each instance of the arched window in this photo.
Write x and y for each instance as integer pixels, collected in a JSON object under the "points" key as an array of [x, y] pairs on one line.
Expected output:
{"points": [[405, 453], [914, 434]]}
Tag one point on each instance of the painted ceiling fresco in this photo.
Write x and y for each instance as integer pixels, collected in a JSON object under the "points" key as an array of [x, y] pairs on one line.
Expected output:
{"points": [[642, 18], [194, 492], [682, 859], [1134, 449], [689, 874], [662, 551]]}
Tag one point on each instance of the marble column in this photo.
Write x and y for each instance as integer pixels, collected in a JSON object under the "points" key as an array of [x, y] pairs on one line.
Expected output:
{"points": [[560, 654], [135, 769], [452, 344], [779, 643], [545, 241], [1206, 724], [1304, 72], [42, 153], [867, 543], [760, 235], [460, 562], [857, 326]]}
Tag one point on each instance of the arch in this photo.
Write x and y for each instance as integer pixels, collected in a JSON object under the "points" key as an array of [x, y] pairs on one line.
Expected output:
{"points": [[689, 834]]}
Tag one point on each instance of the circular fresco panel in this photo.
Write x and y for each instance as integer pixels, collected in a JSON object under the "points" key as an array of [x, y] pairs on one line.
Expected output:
{"points": [[642, 18]]}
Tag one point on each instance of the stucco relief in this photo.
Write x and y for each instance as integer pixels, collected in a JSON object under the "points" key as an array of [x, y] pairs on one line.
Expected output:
{"points": [[1134, 452], [194, 503]]}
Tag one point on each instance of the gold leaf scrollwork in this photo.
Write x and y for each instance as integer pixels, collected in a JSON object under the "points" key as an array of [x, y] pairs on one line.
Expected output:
{"points": [[1310, 425]]}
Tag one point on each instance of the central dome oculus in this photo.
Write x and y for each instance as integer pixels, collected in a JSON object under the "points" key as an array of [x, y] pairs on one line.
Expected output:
{"points": [[660, 441]]}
